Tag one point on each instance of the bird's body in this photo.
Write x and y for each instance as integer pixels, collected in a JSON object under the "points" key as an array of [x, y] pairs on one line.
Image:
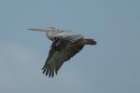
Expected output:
{"points": [[65, 44]]}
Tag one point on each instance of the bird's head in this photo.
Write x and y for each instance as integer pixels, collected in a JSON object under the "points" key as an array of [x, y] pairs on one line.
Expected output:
{"points": [[45, 29]]}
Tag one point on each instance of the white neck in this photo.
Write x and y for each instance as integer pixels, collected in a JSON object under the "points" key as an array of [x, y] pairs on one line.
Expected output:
{"points": [[50, 34], [50, 31]]}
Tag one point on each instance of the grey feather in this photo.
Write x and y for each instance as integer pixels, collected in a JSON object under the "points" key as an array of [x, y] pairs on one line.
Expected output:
{"points": [[56, 59]]}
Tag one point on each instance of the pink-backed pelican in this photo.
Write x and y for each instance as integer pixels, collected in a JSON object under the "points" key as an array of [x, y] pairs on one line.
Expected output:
{"points": [[65, 44]]}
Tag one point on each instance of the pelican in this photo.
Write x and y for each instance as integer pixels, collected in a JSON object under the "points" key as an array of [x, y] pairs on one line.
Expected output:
{"points": [[65, 44]]}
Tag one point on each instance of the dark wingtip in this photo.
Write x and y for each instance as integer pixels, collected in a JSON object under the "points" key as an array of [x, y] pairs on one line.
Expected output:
{"points": [[48, 72]]}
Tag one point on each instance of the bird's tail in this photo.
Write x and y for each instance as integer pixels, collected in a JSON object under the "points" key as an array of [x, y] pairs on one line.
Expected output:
{"points": [[90, 42]]}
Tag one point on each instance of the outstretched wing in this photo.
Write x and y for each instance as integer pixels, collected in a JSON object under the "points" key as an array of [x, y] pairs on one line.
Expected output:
{"points": [[56, 59]]}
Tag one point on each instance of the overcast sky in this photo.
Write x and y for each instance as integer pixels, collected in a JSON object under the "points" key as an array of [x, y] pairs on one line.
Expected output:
{"points": [[112, 66]]}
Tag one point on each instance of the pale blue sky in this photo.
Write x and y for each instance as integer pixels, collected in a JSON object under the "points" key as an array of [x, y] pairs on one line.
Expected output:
{"points": [[112, 66]]}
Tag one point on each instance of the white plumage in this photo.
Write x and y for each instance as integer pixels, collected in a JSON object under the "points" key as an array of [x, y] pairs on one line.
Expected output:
{"points": [[65, 44]]}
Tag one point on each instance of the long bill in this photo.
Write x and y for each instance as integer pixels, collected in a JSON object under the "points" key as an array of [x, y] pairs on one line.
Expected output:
{"points": [[38, 29]]}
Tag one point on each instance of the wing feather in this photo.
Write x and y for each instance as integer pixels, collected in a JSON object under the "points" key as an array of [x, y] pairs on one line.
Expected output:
{"points": [[56, 59], [61, 42]]}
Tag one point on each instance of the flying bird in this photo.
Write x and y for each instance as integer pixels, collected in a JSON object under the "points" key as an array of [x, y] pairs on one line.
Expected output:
{"points": [[65, 44]]}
